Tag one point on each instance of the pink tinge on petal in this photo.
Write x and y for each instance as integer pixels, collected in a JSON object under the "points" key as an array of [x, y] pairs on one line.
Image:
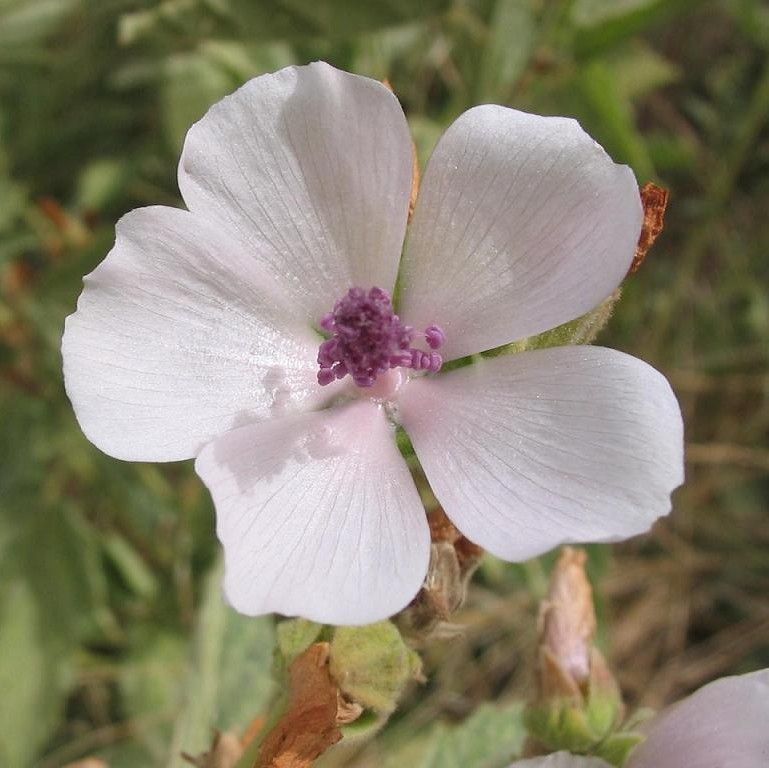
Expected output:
{"points": [[570, 444], [318, 515], [723, 725]]}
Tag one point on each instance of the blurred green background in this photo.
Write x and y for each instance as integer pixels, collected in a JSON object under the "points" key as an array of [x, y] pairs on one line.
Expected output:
{"points": [[113, 638]]}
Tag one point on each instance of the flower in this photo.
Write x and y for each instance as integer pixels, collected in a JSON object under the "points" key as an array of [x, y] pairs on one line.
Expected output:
{"points": [[725, 724], [228, 332]]}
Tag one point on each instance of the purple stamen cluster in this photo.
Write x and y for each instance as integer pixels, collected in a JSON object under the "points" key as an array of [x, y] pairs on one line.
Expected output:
{"points": [[368, 338]]}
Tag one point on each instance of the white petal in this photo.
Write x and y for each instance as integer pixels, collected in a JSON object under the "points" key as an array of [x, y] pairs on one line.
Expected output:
{"points": [[311, 166], [318, 515], [528, 451], [177, 338], [522, 223], [723, 725], [561, 760]]}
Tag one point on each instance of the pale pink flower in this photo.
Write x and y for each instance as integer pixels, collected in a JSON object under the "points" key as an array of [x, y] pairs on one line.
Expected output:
{"points": [[561, 760], [723, 725], [201, 335]]}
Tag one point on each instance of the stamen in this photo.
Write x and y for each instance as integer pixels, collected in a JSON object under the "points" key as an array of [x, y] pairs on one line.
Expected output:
{"points": [[368, 339], [434, 337]]}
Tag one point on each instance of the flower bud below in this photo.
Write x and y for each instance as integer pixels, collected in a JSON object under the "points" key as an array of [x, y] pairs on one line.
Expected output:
{"points": [[579, 702]]}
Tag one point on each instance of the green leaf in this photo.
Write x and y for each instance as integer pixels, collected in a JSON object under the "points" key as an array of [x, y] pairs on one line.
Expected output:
{"points": [[150, 681], [295, 636], [133, 570], [511, 38], [192, 82], [101, 183], [613, 113], [491, 737], [27, 22], [639, 69], [601, 24], [328, 18], [34, 675], [230, 679], [269, 20], [57, 556]]}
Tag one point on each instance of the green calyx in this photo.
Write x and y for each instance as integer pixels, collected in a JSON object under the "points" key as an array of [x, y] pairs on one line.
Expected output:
{"points": [[372, 665]]}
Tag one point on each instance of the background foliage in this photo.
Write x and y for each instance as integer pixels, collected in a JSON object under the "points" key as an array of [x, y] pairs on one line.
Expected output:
{"points": [[113, 638]]}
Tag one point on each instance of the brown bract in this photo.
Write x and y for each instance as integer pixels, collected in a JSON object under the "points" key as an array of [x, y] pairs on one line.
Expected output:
{"points": [[655, 201], [442, 529], [567, 627], [309, 725], [453, 558]]}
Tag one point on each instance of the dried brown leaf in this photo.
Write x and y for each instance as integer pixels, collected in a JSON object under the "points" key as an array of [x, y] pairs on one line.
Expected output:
{"points": [[310, 725], [655, 202]]}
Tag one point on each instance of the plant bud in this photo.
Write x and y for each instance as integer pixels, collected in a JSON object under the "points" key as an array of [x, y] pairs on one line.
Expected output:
{"points": [[294, 636], [579, 703], [372, 665]]}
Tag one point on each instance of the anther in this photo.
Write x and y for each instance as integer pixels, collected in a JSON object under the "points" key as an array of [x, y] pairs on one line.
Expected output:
{"points": [[367, 339], [434, 337]]}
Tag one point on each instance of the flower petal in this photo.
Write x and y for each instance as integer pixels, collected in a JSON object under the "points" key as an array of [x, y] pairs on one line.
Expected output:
{"points": [[522, 223], [528, 451], [561, 760], [178, 338], [318, 515], [311, 167], [723, 725]]}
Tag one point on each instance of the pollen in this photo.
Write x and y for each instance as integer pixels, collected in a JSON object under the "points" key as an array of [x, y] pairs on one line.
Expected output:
{"points": [[367, 338]]}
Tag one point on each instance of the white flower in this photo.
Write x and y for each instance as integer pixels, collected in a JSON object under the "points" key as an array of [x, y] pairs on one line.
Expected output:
{"points": [[561, 760], [198, 336], [723, 725]]}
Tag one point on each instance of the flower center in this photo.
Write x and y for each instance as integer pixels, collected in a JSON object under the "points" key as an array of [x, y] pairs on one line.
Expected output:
{"points": [[367, 339]]}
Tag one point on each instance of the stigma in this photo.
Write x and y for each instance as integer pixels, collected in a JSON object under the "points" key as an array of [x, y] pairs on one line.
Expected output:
{"points": [[367, 339]]}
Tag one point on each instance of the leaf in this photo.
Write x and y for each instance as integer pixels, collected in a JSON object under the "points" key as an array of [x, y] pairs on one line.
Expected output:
{"points": [[150, 681], [295, 636], [191, 83], [230, 680], [132, 569], [26, 22], [268, 20], [655, 201], [491, 737], [33, 676], [57, 556], [511, 38], [614, 115], [639, 69], [308, 727], [601, 24], [329, 18]]}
